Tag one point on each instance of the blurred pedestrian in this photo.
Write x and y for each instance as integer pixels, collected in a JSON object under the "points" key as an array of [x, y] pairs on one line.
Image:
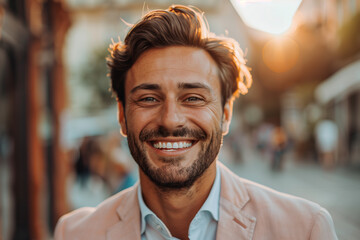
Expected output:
{"points": [[82, 161], [263, 138], [327, 137], [89, 185], [278, 148], [120, 170]]}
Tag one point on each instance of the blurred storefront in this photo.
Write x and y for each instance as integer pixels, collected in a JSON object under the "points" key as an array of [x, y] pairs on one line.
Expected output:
{"points": [[340, 95], [32, 96]]}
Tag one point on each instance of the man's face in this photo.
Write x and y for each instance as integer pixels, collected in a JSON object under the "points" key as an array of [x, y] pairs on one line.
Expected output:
{"points": [[173, 115]]}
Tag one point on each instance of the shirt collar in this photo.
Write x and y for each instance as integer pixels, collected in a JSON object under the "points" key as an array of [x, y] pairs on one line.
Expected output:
{"points": [[211, 204], [144, 210]]}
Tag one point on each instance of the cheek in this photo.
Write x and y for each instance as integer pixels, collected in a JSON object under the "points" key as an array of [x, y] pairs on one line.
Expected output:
{"points": [[138, 119], [208, 120]]}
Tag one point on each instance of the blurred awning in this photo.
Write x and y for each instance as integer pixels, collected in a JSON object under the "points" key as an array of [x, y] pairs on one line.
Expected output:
{"points": [[341, 84]]}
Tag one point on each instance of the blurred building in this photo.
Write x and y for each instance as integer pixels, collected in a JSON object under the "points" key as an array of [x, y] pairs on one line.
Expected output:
{"points": [[289, 67], [340, 95], [32, 96]]}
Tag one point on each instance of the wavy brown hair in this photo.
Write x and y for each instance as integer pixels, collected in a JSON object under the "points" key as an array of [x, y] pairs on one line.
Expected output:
{"points": [[179, 26]]}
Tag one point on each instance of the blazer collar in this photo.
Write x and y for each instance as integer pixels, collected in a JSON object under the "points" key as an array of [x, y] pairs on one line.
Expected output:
{"points": [[128, 226], [234, 223]]}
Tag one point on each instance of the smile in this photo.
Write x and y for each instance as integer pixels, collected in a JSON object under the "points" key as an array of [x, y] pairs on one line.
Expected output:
{"points": [[172, 145]]}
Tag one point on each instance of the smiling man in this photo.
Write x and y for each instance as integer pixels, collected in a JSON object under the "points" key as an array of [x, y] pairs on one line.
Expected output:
{"points": [[175, 84], [173, 117]]}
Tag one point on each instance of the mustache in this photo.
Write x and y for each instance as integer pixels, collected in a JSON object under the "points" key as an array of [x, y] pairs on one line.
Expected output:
{"points": [[198, 134]]}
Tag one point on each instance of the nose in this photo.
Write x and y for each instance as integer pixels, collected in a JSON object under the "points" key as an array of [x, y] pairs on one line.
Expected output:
{"points": [[172, 116]]}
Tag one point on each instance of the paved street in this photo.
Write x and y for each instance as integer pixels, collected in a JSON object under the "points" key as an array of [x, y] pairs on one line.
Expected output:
{"points": [[338, 191]]}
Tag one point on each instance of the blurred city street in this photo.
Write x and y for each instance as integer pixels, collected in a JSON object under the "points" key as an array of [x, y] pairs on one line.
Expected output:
{"points": [[297, 130], [337, 190]]}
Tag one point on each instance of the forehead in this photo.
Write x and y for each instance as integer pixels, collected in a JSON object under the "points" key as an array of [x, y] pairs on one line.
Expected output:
{"points": [[173, 63]]}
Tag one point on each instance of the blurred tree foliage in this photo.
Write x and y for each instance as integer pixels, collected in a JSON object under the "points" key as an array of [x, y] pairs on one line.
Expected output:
{"points": [[94, 76], [349, 35]]}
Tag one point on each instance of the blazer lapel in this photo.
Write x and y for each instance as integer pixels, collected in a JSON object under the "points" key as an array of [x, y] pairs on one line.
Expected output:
{"points": [[234, 223], [128, 226]]}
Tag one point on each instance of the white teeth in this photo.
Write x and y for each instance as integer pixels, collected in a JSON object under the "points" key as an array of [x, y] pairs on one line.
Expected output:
{"points": [[172, 145]]}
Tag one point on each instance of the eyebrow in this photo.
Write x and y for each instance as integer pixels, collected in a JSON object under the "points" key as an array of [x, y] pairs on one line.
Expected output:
{"points": [[152, 86], [146, 86], [194, 85]]}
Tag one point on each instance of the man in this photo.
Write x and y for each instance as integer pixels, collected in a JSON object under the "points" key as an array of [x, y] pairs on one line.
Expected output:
{"points": [[175, 84]]}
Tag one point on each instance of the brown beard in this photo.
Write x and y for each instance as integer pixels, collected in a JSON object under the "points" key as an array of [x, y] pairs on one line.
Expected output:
{"points": [[159, 176]]}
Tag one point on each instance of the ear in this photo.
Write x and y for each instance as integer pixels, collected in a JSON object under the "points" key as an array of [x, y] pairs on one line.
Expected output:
{"points": [[227, 115], [121, 119]]}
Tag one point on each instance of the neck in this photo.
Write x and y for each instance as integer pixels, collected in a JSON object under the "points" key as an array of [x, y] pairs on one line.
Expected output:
{"points": [[177, 207]]}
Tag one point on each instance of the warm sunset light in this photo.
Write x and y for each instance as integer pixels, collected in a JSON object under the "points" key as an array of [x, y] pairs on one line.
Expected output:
{"points": [[280, 54], [271, 16]]}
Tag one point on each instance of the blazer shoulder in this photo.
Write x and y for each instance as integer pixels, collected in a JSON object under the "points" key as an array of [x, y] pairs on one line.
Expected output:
{"points": [[300, 216], [264, 194], [279, 215], [94, 221], [260, 194]]}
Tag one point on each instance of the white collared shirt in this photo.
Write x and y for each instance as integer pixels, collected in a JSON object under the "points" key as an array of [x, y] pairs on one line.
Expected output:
{"points": [[202, 227]]}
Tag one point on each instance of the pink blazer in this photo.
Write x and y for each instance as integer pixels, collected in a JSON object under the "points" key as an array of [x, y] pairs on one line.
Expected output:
{"points": [[247, 211]]}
